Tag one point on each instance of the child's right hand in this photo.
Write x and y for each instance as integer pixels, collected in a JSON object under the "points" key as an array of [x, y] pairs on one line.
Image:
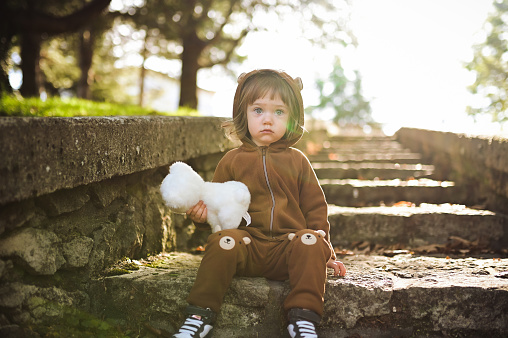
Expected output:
{"points": [[197, 213]]}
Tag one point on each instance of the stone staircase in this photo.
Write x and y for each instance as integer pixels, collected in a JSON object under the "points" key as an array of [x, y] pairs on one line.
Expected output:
{"points": [[420, 264]]}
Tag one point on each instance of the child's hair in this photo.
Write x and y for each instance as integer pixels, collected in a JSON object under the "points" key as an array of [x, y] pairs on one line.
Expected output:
{"points": [[257, 86]]}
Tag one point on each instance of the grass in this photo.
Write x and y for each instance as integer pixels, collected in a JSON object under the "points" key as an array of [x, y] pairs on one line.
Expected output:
{"points": [[12, 105]]}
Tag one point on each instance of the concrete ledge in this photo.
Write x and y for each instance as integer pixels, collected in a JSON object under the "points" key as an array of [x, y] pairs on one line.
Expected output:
{"points": [[479, 163], [42, 155]]}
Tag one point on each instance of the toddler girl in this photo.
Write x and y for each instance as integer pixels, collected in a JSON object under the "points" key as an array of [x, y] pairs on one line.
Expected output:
{"points": [[287, 209]]}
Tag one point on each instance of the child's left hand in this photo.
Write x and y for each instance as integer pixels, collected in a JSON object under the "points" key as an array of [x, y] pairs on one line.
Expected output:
{"points": [[338, 267]]}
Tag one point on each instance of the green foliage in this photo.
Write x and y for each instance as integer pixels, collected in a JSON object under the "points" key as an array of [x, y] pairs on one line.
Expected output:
{"points": [[490, 63], [343, 96], [200, 33], [75, 323], [11, 105], [58, 64]]}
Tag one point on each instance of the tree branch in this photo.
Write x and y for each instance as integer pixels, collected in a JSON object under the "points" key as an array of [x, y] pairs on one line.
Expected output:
{"points": [[44, 23], [229, 52]]}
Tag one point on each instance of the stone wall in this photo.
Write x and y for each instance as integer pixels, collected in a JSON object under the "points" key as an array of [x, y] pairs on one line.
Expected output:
{"points": [[78, 194], [479, 164]]}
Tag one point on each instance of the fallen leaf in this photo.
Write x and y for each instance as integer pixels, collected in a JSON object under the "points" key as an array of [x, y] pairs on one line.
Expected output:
{"points": [[200, 249], [391, 253], [404, 204], [343, 252]]}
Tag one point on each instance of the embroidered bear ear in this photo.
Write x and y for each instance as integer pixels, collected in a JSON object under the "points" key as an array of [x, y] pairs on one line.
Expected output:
{"points": [[246, 240], [299, 82], [291, 236], [241, 77], [322, 233]]}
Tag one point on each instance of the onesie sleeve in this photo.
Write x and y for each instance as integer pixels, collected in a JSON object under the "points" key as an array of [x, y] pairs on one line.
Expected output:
{"points": [[313, 202], [222, 171]]}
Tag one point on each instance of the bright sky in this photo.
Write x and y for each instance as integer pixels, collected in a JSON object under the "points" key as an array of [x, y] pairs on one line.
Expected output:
{"points": [[410, 55]]}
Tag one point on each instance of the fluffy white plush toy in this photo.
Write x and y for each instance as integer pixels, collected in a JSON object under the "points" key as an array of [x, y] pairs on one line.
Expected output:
{"points": [[227, 203]]}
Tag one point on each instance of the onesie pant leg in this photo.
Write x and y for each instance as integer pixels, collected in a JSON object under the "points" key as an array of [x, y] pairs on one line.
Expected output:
{"points": [[306, 258], [226, 254]]}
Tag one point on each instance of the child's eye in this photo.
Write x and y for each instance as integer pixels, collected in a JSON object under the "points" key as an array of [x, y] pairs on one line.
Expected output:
{"points": [[279, 112], [258, 110]]}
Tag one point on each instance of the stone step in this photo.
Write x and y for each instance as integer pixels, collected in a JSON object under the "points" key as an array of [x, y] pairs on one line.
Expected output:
{"points": [[361, 193], [361, 139], [418, 226], [363, 144], [402, 296], [410, 158], [371, 171], [366, 150]]}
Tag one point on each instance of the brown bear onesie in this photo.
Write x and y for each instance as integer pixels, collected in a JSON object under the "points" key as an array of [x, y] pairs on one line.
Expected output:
{"points": [[286, 198]]}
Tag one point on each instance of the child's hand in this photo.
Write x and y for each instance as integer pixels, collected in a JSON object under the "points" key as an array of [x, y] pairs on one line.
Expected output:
{"points": [[197, 213], [338, 267]]}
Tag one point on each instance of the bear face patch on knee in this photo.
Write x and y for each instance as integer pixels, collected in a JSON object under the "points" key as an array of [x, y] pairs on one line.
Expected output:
{"points": [[227, 242], [308, 238]]}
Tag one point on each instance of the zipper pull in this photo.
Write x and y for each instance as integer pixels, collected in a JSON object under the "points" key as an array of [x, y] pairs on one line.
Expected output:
{"points": [[264, 150]]}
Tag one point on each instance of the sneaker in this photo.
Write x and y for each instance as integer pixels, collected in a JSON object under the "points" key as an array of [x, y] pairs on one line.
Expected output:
{"points": [[302, 323], [197, 324]]}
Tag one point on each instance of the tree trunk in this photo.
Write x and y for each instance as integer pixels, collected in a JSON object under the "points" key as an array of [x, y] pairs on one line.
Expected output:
{"points": [[142, 76], [5, 85], [86, 42], [30, 67], [142, 73], [32, 25], [7, 32], [192, 48]]}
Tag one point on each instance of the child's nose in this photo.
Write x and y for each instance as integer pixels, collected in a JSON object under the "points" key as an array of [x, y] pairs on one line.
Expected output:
{"points": [[267, 118]]}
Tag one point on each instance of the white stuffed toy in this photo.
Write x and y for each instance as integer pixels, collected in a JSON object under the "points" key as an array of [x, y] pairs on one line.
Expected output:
{"points": [[227, 203]]}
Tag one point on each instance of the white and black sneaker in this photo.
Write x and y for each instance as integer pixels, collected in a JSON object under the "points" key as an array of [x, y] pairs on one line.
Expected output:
{"points": [[198, 323], [302, 323]]}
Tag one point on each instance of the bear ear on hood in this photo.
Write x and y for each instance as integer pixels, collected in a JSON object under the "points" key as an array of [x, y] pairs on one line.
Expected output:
{"points": [[241, 77], [298, 81]]}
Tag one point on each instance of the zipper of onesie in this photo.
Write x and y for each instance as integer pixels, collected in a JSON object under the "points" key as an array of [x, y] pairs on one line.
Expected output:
{"points": [[264, 151]]}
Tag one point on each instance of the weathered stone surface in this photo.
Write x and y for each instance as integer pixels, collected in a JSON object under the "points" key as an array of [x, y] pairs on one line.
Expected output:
{"points": [[417, 226], [408, 294], [479, 163], [361, 193], [159, 292], [413, 158], [14, 215], [357, 296], [38, 250], [371, 171], [42, 155], [64, 201], [77, 252], [38, 305], [107, 191]]}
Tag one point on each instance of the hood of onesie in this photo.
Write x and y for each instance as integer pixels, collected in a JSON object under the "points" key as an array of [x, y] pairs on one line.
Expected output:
{"points": [[292, 90]]}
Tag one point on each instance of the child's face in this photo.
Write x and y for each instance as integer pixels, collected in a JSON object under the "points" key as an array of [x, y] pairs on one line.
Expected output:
{"points": [[267, 119]]}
